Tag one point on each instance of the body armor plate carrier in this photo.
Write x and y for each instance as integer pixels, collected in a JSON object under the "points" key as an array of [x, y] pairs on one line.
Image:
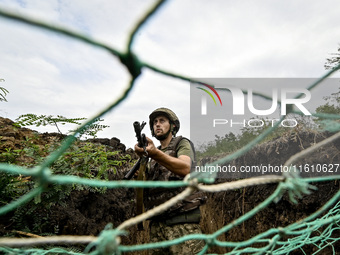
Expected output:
{"points": [[156, 196]]}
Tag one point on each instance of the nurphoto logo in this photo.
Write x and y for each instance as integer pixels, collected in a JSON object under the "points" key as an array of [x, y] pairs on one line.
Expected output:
{"points": [[241, 106], [239, 99], [229, 108]]}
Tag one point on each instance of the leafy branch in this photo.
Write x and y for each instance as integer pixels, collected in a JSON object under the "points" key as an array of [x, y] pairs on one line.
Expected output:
{"points": [[45, 120], [3, 92], [93, 128]]}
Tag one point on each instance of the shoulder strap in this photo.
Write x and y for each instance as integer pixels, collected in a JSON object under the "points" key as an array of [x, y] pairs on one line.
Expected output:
{"points": [[191, 144], [175, 142]]}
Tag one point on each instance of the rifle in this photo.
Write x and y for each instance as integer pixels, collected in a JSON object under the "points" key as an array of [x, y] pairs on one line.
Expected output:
{"points": [[142, 143], [141, 167]]}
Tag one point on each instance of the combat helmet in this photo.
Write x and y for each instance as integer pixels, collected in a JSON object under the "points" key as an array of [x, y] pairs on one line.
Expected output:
{"points": [[174, 121]]}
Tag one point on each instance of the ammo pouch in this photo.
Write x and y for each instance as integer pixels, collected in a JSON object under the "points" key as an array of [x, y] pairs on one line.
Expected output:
{"points": [[193, 216]]}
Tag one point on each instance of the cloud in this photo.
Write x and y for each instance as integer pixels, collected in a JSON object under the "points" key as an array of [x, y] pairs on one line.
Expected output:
{"points": [[52, 74], [222, 38]]}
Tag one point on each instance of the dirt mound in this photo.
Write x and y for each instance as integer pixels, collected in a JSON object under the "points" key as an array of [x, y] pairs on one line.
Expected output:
{"points": [[231, 205], [83, 212], [87, 212]]}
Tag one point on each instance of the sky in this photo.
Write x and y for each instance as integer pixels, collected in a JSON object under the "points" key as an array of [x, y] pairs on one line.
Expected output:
{"points": [[51, 74]]}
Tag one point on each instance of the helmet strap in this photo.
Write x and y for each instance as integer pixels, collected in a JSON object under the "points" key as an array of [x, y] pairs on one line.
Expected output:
{"points": [[172, 129]]}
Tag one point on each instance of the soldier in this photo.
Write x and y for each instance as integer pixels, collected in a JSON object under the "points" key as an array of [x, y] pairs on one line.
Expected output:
{"points": [[172, 160]]}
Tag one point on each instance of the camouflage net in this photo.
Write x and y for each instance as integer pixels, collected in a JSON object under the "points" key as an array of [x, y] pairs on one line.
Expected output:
{"points": [[318, 229]]}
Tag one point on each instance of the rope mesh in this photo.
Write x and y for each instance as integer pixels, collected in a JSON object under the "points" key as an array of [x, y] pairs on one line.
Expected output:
{"points": [[318, 229]]}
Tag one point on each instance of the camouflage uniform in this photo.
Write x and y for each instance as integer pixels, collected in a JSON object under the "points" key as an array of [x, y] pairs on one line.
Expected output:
{"points": [[171, 225], [159, 231], [183, 218]]}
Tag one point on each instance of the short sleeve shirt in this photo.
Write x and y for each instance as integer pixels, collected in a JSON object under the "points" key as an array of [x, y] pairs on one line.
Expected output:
{"points": [[184, 148]]}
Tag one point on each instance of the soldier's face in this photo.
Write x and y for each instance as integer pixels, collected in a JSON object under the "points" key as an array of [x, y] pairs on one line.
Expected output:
{"points": [[161, 125]]}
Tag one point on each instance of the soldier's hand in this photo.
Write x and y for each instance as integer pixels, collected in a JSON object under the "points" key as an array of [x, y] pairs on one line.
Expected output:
{"points": [[150, 148], [140, 151]]}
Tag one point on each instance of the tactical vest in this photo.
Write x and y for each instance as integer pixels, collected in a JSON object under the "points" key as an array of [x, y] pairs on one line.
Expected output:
{"points": [[156, 196]]}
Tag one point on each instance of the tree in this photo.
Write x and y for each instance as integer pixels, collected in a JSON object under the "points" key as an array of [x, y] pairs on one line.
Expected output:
{"points": [[333, 101], [333, 61], [332, 104]]}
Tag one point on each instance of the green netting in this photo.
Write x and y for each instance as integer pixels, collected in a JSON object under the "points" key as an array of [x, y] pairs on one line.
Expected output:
{"points": [[318, 229]]}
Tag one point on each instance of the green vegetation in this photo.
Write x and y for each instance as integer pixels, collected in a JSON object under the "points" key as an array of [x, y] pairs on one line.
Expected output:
{"points": [[90, 161], [332, 104], [83, 159]]}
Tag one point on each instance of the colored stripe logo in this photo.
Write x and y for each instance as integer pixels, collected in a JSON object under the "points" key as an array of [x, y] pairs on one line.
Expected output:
{"points": [[209, 93]]}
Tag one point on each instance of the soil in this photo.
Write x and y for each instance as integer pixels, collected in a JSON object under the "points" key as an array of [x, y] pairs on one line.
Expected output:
{"points": [[87, 212]]}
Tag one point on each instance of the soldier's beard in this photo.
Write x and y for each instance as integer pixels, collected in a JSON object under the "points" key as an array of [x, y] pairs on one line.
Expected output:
{"points": [[163, 137]]}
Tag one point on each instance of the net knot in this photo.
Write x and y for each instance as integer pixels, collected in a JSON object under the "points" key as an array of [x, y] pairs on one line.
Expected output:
{"points": [[44, 175], [295, 185], [132, 63], [210, 241], [193, 182], [108, 241]]}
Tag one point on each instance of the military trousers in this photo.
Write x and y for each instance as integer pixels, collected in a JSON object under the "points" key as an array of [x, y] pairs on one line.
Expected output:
{"points": [[160, 231]]}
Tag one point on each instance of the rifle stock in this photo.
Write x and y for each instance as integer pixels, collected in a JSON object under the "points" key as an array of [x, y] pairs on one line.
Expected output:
{"points": [[140, 192]]}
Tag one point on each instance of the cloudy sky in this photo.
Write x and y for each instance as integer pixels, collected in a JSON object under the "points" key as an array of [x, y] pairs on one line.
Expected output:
{"points": [[48, 73]]}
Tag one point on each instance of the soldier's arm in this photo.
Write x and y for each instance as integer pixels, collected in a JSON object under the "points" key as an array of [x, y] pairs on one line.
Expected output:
{"points": [[179, 166]]}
